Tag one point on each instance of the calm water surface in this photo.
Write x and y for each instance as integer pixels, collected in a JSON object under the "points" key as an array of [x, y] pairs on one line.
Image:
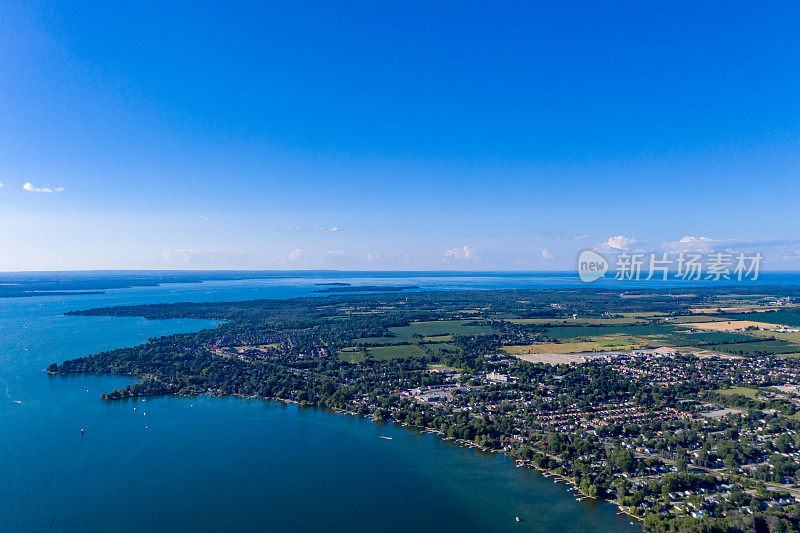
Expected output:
{"points": [[209, 464]]}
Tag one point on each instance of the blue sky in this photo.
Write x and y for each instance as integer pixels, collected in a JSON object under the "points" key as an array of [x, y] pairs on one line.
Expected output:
{"points": [[369, 135]]}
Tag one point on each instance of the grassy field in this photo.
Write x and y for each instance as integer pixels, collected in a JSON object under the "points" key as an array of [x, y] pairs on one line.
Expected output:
{"points": [[741, 391], [573, 332], [350, 355], [440, 330], [398, 351], [392, 351], [438, 347], [600, 344]]}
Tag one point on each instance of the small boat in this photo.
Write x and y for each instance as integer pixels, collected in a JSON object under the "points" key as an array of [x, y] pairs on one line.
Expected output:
{"points": [[83, 431], [517, 519], [385, 437]]}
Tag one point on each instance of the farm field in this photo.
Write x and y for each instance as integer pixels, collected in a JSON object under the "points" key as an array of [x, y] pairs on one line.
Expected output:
{"points": [[439, 330], [571, 332], [393, 351], [737, 309], [773, 317], [704, 338], [577, 321], [728, 325], [693, 318], [603, 344], [789, 337], [769, 347]]}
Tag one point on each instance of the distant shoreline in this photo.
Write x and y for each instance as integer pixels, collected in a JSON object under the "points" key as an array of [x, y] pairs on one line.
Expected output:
{"points": [[369, 288], [76, 283]]}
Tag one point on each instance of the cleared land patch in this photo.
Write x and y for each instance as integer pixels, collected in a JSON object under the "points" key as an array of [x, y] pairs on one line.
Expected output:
{"points": [[556, 358]]}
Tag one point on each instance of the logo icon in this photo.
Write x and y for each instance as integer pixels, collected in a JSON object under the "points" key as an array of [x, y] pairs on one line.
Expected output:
{"points": [[591, 266]]}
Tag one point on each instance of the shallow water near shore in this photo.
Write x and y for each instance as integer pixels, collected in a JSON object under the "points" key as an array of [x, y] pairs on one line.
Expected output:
{"points": [[212, 464]]}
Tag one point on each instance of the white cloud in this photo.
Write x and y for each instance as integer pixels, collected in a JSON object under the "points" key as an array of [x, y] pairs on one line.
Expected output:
{"points": [[708, 244], [30, 188], [694, 244], [336, 252], [190, 254], [295, 254], [315, 228], [561, 236], [466, 252], [2, 185], [619, 243], [547, 254]]}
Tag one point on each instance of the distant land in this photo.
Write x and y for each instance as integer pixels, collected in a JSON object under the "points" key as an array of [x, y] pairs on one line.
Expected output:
{"points": [[368, 288], [21, 284], [48, 283]]}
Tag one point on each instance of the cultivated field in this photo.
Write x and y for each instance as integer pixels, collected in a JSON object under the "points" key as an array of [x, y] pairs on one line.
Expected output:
{"points": [[602, 344], [729, 325]]}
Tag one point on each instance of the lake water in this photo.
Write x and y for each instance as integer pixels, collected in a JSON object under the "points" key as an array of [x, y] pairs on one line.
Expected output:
{"points": [[210, 464]]}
